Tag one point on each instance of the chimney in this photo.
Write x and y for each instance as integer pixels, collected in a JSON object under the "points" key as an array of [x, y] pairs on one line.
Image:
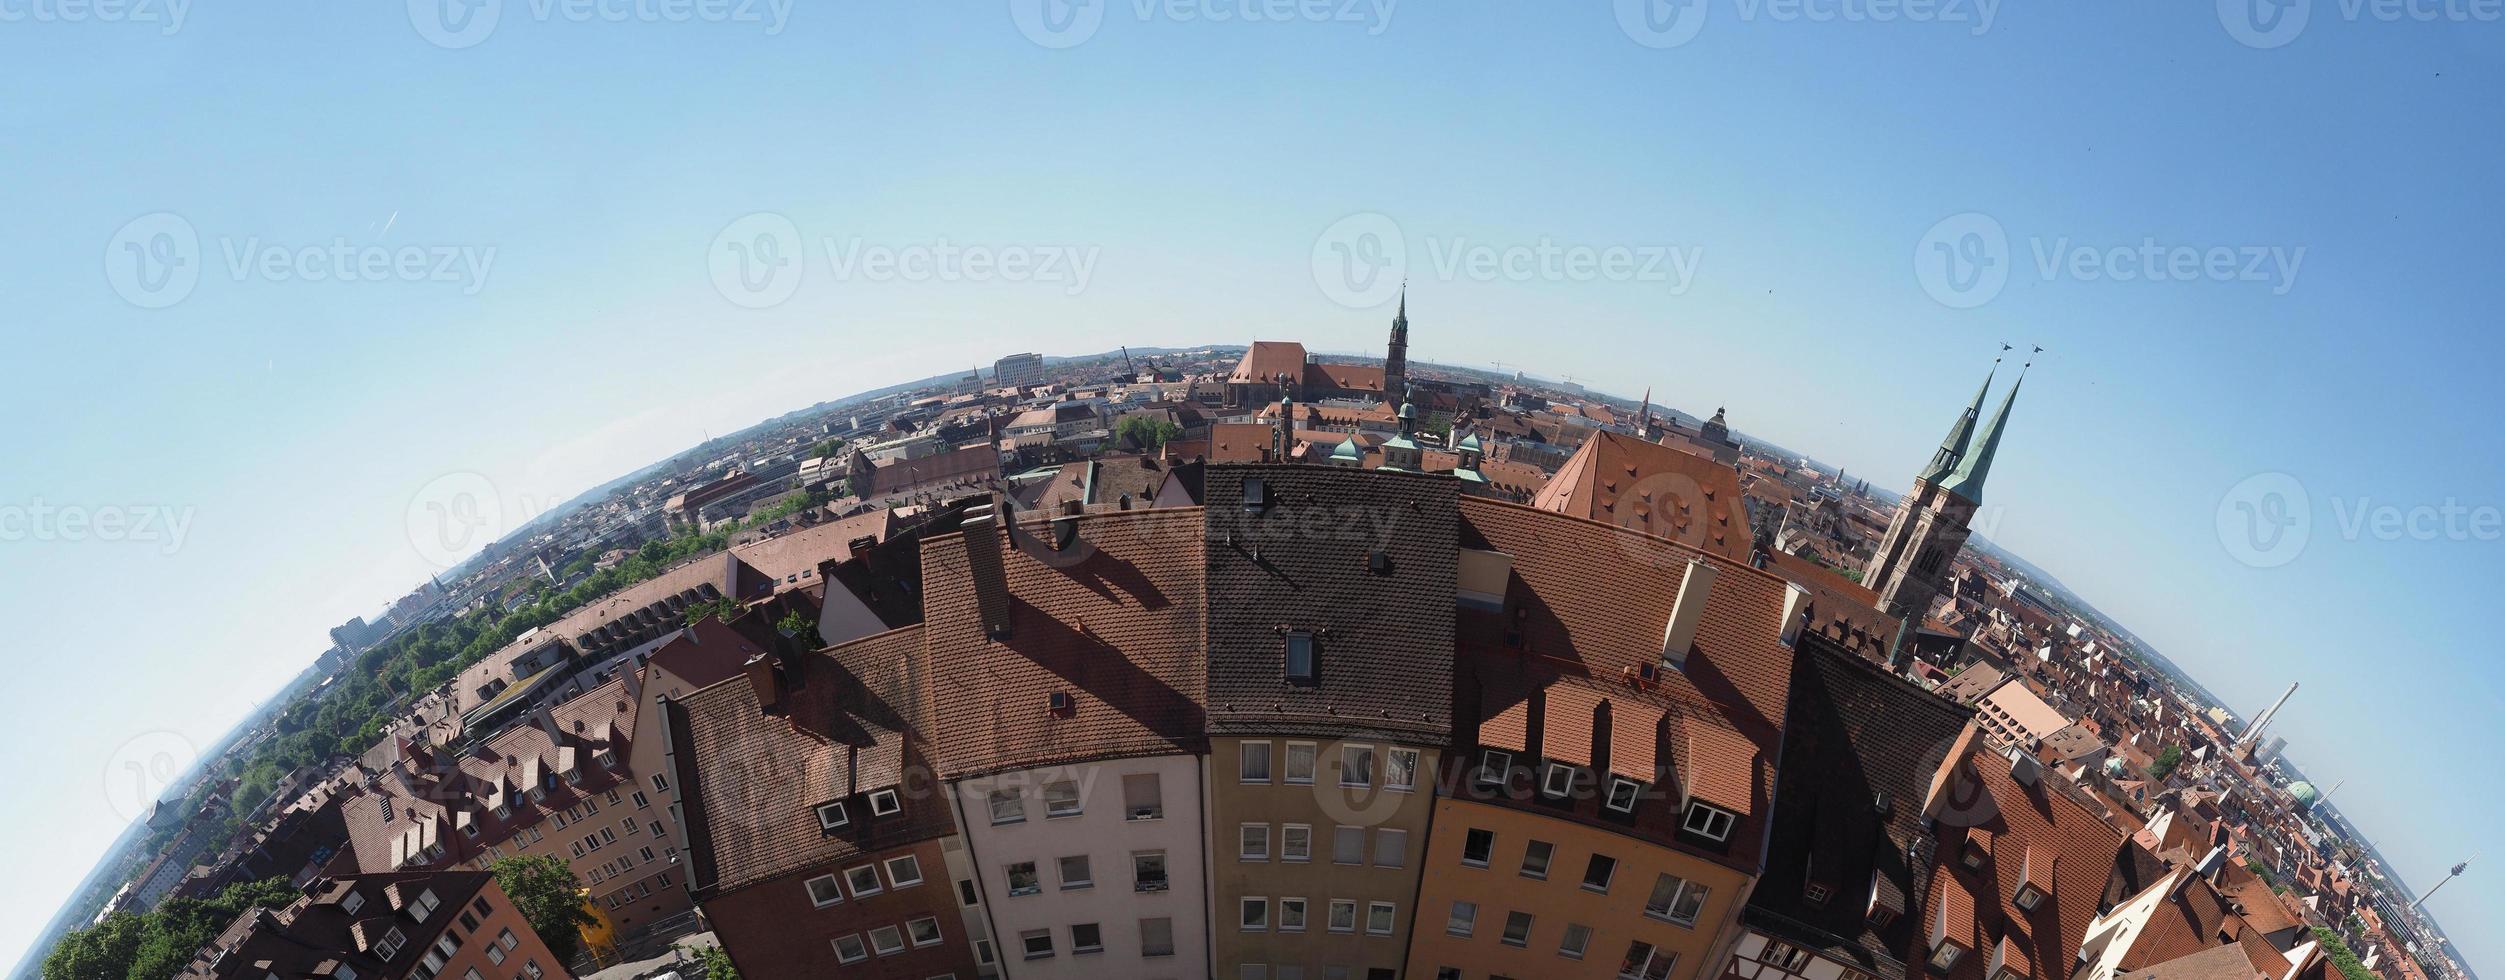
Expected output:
{"points": [[1687, 613], [766, 677], [1795, 613], [982, 527]]}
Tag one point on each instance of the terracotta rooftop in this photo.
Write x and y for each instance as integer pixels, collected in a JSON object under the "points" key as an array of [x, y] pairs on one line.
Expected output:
{"points": [[2044, 817], [1620, 479]]}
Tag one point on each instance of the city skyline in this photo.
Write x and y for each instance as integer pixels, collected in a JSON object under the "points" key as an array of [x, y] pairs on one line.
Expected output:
{"points": [[1790, 185]]}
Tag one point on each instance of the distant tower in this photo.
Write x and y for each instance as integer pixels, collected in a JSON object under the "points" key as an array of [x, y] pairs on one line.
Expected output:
{"points": [[1930, 528], [1396, 355], [2439, 886], [1644, 427], [2252, 736], [1715, 431]]}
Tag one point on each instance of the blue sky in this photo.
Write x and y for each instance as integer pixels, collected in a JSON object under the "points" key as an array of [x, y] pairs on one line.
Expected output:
{"points": [[1792, 178]]}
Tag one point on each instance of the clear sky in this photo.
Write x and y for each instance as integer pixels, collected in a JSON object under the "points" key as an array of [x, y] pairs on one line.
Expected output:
{"points": [[1824, 221]]}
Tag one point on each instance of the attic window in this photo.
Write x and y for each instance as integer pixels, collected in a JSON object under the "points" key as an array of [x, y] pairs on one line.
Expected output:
{"points": [[1622, 794], [1301, 668], [1817, 894], [832, 816], [1944, 956], [2029, 896], [1256, 495], [1710, 822], [883, 803]]}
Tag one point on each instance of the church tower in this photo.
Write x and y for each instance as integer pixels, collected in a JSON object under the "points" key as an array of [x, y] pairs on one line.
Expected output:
{"points": [[1396, 355], [1930, 528]]}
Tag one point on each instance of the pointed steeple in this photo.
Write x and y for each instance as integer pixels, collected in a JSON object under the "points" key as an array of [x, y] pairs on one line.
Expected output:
{"points": [[1960, 436], [1396, 354], [1971, 471]]}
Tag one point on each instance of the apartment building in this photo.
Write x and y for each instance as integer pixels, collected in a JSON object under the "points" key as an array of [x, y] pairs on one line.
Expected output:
{"points": [[1329, 702], [414, 925], [813, 839]]}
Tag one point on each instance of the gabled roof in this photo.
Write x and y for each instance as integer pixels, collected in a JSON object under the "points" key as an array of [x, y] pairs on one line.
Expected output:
{"points": [[1622, 480], [1265, 360], [1986, 802], [791, 560], [1307, 562]]}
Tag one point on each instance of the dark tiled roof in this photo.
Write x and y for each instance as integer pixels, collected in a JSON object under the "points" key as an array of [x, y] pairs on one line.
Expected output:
{"points": [[1114, 622], [843, 732], [1306, 562], [1853, 734]]}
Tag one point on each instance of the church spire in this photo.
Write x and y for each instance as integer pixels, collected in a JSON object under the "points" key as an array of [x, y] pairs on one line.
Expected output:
{"points": [[1396, 354], [1960, 436], [1971, 471]]}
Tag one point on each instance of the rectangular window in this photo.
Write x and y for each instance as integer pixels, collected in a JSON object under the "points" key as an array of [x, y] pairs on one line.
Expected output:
{"points": [[1348, 845], [1086, 937], [1578, 937], [1253, 913], [1253, 762], [1476, 845], [850, 949], [1156, 937], [1400, 769], [1037, 942], [1023, 880], [904, 871], [1061, 800], [1643, 962], [1007, 807], [1535, 857], [923, 931], [1301, 668], [1391, 848], [1622, 794], [1143, 797], [965, 892], [1557, 780], [885, 803], [823, 891], [1517, 929], [1300, 756], [1148, 871], [1944, 956], [1075, 873], [1710, 822], [1676, 899], [1378, 918], [1464, 920], [642, 802], [862, 880], [1291, 915], [1596, 874], [1495, 768], [1253, 842], [830, 816], [1356, 765], [1343, 915], [1295, 842]]}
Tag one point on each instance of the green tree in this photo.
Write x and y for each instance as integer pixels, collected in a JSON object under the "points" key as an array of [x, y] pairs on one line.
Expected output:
{"points": [[725, 609], [1146, 431], [712, 961], [794, 624], [830, 447], [548, 895], [104, 952], [2339, 952], [2166, 762]]}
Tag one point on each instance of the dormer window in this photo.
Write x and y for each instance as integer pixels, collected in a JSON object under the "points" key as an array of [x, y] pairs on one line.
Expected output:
{"points": [[1710, 822], [831, 816], [1557, 779], [1495, 768], [1301, 668], [2028, 897], [1622, 794], [884, 803], [1973, 857], [389, 945], [349, 904], [1256, 495], [1817, 894], [1944, 956], [605, 758]]}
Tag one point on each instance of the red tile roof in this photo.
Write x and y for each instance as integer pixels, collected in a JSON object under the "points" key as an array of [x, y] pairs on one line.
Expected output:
{"points": [[1624, 480]]}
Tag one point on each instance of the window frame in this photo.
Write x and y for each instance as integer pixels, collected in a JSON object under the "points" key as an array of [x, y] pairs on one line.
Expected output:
{"points": [[1486, 853], [810, 888], [1243, 763], [842, 818], [1350, 754], [1313, 763], [1243, 837], [1710, 813], [1244, 920], [1607, 879], [876, 885], [895, 880]]}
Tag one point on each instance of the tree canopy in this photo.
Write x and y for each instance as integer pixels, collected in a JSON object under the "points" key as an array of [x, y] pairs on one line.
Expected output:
{"points": [[156, 944], [543, 888]]}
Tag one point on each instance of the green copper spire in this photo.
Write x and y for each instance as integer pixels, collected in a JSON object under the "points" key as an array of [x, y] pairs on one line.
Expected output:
{"points": [[1960, 436], [1968, 481]]}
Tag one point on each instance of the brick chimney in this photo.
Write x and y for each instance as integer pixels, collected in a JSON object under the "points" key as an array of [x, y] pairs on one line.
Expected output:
{"points": [[765, 675], [982, 529], [1687, 613]]}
